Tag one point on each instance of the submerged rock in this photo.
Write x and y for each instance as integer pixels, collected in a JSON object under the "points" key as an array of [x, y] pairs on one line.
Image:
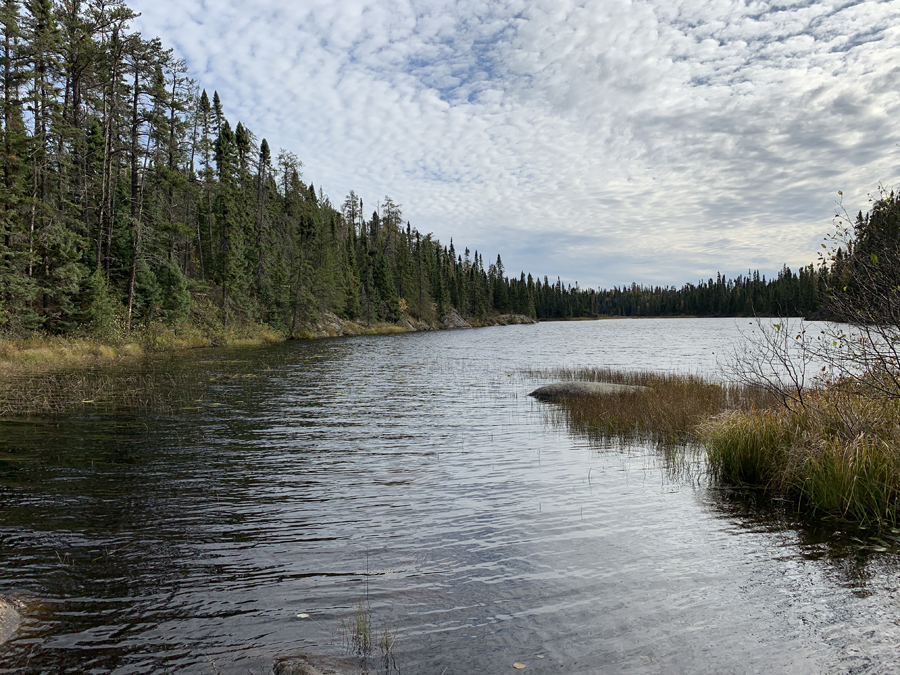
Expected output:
{"points": [[9, 620], [295, 668], [300, 665], [563, 390]]}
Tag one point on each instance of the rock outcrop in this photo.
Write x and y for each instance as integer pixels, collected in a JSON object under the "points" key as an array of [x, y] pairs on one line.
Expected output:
{"points": [[505, 320], [454, 320], [328, 324], [559, 391]]}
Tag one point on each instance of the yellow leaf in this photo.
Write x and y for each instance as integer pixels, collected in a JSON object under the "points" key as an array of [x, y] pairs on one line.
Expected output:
{"points": [[518, 665]]}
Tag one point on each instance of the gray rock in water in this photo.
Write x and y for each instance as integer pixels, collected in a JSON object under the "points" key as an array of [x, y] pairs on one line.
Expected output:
{"points": [[9, 620], [563, 390], [300, 665], [295, 667]]}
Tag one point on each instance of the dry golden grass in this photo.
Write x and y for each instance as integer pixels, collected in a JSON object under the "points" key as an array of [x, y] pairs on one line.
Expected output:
{"points": [[338, 328], [42, 353], [668, 412], [47, 353], [839, 455], [51, 374]]}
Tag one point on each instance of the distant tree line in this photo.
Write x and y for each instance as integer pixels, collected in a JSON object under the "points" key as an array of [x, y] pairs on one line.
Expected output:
{"points": [[789, 294], [127, 197]]}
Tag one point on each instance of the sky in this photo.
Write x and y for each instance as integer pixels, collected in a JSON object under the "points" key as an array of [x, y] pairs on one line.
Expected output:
{"points": [[602, 141]]}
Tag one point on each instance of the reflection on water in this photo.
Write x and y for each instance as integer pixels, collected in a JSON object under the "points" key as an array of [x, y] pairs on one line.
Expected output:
{"points": [[413, 475]]}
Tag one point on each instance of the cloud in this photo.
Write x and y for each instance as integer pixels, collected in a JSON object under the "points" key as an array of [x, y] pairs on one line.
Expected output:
{"points": [[602, 141]]}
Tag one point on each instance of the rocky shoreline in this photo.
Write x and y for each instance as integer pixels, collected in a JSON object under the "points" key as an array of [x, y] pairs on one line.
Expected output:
{"points": [[331, 325]]}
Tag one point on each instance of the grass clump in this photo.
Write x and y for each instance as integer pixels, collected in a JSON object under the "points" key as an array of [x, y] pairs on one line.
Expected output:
{"points": [[358, 635], [747, 447], [357, 632], [668, 412], [838, 455]]}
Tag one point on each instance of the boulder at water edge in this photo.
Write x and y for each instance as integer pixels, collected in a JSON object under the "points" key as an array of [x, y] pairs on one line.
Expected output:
{"points": [[9, 620], [563, 390]]}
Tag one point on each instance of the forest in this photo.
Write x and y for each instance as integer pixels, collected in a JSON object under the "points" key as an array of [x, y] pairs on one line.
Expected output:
{"points": [[128, 198]]}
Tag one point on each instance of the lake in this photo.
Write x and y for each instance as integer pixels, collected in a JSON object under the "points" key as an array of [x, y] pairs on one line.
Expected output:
{"points": [[412, 476]]}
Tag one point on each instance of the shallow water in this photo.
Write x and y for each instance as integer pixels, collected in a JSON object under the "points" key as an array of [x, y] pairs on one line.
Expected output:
{"points": [[412, 474]]}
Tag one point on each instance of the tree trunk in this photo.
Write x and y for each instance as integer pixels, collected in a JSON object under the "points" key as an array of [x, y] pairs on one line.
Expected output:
{"points": [[135, 218]]}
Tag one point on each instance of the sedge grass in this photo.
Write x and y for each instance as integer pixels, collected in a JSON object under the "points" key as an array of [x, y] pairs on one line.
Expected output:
{"points": [[837, 456], [667, 412], [358, 636], [357, 632], [747, 447], [101, 390]]}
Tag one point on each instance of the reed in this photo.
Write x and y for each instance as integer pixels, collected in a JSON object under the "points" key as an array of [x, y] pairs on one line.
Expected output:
{"points": [[747, 447], [667, 413], [358, 637], [103, 390], [357, 632], [839, 455]]}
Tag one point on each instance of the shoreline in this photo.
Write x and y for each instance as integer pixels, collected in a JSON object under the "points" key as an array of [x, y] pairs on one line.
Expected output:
{"points": [[43, 354], [665, 316]]}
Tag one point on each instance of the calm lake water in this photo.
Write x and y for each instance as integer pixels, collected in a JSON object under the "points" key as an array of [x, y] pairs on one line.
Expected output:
{"points": [[412, 475]]}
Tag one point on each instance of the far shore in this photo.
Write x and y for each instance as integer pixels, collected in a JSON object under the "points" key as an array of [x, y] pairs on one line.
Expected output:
{"points": [[611, 318], [661, 316], [42, 353]]}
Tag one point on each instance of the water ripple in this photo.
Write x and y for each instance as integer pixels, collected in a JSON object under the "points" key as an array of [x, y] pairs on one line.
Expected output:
{"points": [[413, 474]]}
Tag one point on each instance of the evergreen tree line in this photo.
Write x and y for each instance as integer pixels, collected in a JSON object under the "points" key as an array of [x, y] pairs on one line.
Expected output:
{"points": [[127, 197], [791, 293]]}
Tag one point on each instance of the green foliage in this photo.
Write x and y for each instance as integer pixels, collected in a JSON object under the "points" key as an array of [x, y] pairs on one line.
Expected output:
{"points": [[176, 299], [60, 276], [147, 292], [99, 310]]}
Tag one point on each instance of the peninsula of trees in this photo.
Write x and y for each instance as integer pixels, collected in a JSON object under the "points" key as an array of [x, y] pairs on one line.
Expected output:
{"points": [[127, 197]]}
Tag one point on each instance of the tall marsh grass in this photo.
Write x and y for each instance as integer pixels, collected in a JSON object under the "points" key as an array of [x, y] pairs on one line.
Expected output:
{"points": [[668, 412], [47, 374], [837, 456]]}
